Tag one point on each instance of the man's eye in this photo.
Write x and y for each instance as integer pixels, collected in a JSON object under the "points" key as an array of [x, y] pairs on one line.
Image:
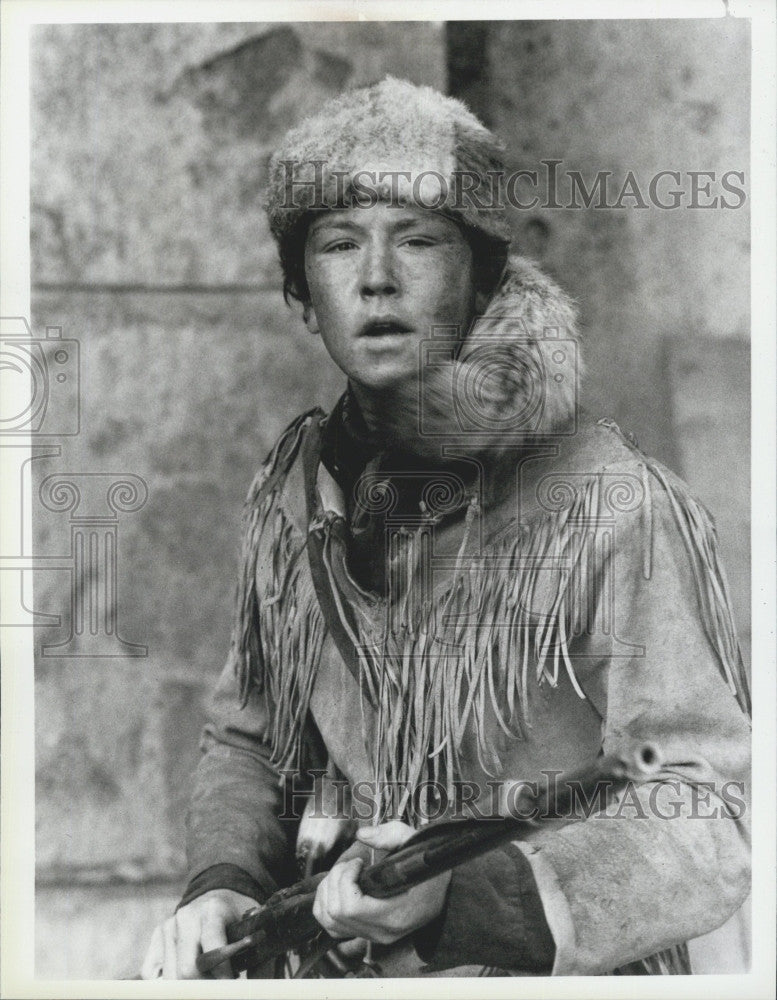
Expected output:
{"points": [[418, 241], [339, 245]]}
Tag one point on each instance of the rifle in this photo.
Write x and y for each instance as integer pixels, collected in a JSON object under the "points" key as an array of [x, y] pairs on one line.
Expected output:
{"points": [[286, 920]]}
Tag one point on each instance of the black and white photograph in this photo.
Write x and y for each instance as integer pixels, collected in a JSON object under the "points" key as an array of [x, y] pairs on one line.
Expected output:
{"points": [[388, 514]]}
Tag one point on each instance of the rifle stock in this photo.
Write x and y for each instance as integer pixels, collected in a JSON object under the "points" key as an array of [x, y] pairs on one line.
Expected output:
{"points": [[286, 921]]}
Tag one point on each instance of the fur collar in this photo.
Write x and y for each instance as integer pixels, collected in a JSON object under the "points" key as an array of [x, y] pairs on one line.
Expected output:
{"points": [[514, 378]]}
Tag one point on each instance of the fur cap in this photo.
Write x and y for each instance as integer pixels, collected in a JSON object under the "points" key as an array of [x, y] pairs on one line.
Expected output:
{"points": [[430, 150]]}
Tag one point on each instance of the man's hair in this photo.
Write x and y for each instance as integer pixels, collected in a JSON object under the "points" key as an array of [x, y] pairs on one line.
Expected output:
{"points": [[489, 257]]}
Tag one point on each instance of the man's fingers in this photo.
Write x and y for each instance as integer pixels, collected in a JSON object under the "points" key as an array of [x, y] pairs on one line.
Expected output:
{"points": [[352, 948], [214, 935], [155, 956], [187, 945], [344, 875], [199, 926], [322, 908], [170, 967], [320, 903], [344, 911], [387, 836], [337, 897], [344, 893]]}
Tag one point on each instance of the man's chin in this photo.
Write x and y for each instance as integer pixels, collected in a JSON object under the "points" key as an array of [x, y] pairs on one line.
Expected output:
{"points": [[390, 379]]}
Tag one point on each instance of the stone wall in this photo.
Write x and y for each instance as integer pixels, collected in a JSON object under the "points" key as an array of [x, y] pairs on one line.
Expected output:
{"points": [[149, 248]]}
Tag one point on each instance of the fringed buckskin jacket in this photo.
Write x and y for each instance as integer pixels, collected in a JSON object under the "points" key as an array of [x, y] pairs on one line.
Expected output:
{"points": [[509, 613]]}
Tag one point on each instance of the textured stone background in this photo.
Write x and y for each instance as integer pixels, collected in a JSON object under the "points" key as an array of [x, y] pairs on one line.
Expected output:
{"points": [[149, 150]]}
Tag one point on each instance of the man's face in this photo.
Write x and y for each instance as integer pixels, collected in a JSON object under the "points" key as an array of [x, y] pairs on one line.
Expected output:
{"points": [[380, 278]]}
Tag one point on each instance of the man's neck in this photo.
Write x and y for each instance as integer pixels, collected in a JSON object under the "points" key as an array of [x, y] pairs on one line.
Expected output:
{"points": [[391, 419], [380, 410]]}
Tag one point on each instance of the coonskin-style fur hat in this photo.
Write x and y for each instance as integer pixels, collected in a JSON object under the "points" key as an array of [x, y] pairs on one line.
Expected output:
{"points": [[390, 141]]}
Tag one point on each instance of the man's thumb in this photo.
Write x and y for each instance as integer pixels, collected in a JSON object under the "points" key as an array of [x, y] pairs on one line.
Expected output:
{"points": [[386, 836]]}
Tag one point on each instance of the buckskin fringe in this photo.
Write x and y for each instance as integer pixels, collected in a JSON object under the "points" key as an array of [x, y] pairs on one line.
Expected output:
{"points": [[443, 664], [497, 628], [439, 661], [292, 631], [245, 647], [701, 543]]}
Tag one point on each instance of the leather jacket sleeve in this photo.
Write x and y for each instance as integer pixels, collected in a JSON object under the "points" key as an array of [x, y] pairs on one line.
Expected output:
{"points": [[671, 861], [236, 816]]}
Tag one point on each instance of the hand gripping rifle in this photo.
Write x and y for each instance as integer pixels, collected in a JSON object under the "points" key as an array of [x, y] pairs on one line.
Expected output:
{"points": [[286, 921]]}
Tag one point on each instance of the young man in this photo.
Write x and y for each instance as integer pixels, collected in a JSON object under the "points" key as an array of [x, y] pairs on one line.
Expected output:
{"points": [[456, 581]]}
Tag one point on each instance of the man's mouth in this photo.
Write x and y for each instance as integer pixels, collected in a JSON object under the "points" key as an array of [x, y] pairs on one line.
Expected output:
{"points": [[384, 326]]}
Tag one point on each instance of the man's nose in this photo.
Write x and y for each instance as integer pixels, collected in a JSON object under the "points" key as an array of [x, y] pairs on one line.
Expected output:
{"points": [[378, 276]]}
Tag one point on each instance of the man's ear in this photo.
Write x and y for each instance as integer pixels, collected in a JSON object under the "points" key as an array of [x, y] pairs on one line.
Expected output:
{"points": [[309, 316]]}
